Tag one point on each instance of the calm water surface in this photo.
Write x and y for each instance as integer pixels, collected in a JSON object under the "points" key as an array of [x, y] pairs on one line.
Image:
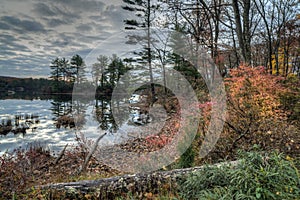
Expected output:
{"points": [[98, 119], [45, 132]]}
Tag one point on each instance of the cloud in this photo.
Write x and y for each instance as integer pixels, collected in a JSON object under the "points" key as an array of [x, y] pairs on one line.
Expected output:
{"points": [[54, 14], [54, 22], [44, 10], [4, 26], [114, 16], [22, 25], [34, 32], [84, 28], [81, 5], [7, 38], [11, 45], [32, 26]]}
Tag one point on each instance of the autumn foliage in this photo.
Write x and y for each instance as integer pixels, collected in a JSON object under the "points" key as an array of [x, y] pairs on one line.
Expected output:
{"points": [[255, 93], [255, 113]]}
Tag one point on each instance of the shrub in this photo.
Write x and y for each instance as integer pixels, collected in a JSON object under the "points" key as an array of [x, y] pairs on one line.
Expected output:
{"points": [[261, 110], [255, 177]]}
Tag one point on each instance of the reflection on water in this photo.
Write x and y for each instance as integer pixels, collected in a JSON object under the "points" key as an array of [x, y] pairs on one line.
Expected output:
{"points": [[45, 131], [19, 124], [60, 119]]}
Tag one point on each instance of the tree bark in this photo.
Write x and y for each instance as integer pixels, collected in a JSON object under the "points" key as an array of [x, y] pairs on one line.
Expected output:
{"points": [[243, 31], [138, 183], [149, 50]]}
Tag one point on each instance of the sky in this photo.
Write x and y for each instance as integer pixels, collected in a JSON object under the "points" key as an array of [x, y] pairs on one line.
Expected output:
{"points": [[34, 32]]}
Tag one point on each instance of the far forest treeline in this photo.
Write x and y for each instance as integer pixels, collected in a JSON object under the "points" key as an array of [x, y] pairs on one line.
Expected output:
{"points": [[105, 73], [24, 85]]}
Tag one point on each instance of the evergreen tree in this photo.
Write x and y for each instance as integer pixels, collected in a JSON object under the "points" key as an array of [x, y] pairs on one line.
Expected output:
{"points": [[64, 65], [98, 70], [115, 69], [143, 11], [61, 75], [55, 73], [78, 68]]}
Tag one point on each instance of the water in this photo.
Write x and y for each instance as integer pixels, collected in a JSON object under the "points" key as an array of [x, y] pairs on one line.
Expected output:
{"points": [[44, 132], [97, 118]]}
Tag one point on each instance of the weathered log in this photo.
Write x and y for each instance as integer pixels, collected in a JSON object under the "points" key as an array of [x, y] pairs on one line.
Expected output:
{"points": [[136, 183]]}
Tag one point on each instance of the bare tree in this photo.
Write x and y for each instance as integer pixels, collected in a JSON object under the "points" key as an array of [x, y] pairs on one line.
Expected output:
{"points": [[200, 20]]}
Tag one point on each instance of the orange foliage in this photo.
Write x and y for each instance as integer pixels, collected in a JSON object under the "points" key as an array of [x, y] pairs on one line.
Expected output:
{"points": [[255, 92], [254, 109]]}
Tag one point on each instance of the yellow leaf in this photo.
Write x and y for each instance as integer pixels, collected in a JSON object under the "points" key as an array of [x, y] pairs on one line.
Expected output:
{"points": [[289, 158]]}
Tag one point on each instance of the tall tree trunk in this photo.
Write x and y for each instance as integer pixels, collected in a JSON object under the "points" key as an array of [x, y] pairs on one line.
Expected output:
{"points": [[238, 28], [149, 51], [243, 32], [247, 31], [237, 59]]}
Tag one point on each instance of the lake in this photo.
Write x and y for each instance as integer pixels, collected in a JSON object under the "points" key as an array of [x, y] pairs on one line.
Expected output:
{"points": [[44, 119]]}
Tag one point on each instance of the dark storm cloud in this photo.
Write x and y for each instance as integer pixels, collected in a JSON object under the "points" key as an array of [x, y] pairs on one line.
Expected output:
{"points": [[55, 22], [84, 28], [54, 14], [81, 5], [22, 25], [44, 10], [10, 44], [4, 26]]}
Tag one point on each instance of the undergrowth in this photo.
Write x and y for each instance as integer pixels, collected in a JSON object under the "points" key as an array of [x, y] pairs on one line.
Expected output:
{"points": [[257, 176]]}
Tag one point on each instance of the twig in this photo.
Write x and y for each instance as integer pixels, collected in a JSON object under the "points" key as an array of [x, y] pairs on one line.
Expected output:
{"points": [[60, 155], [88, 157]]}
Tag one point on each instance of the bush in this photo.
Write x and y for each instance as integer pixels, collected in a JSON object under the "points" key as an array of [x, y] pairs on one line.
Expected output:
{"points": [[255, 177], [187, 158]]}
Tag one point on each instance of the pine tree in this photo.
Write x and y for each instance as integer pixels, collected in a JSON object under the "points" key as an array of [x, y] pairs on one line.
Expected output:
{"points": [[64, 65], [143, 11], [78, 68], [55, 73], [115, 70], [99, 69]]}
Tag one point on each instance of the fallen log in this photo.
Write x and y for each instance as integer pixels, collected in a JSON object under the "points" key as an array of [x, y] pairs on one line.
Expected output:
{"points": [[134, 183]]}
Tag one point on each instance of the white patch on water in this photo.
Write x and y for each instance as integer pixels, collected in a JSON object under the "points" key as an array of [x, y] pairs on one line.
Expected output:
{"points": [[45, 132]]}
